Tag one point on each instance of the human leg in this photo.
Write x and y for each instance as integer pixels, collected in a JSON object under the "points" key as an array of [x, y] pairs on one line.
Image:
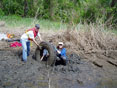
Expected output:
{"points": [[28, 48], [24, 50]]}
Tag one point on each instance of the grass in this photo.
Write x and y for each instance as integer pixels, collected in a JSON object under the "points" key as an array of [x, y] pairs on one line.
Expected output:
{"points": [[16, 21], [113, 31], [87, 39]]}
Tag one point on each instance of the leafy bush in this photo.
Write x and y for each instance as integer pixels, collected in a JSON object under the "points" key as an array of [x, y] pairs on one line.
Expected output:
{"points": [[71, 11], [1, 12]]}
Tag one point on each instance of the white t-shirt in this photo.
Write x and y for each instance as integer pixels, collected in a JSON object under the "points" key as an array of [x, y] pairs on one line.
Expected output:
{"points": [[29, 34]]}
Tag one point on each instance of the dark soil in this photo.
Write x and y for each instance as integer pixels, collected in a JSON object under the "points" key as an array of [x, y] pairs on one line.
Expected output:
{"points": [[84, 70], [78, 73]]}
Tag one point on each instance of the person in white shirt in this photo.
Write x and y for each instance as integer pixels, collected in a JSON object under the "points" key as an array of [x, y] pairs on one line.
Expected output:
{"points": [[28, 36]]}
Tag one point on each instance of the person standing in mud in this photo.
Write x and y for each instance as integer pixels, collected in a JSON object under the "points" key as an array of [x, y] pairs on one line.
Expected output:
{"points": [[28, 36], [61, 54]]}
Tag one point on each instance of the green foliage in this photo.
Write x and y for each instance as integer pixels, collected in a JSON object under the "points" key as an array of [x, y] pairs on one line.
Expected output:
{"points": [[12, 7], [1, 12], [71, 11]]}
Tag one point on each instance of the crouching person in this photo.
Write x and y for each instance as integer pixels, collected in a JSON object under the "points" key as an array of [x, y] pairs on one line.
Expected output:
{"points": [[28, 36], [61, 54]]}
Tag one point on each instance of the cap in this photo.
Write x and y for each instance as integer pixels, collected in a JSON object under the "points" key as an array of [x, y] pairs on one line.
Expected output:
{"points": [[37, 26], [60, 43]]}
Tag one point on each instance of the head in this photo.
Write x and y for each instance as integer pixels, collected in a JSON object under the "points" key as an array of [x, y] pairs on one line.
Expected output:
{"points": [[37, 26], [50, 41], [60, 45]]}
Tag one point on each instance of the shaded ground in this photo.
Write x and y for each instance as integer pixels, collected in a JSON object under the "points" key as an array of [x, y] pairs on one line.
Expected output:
{"points": [[95, 69]]}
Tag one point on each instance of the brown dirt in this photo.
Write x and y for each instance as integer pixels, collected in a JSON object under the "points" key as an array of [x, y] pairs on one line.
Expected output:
{"points": [[92, 62]]}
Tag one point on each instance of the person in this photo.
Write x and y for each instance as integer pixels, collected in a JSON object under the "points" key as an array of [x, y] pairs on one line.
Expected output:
{"points": [[28, 36], [45, 55], [61, 54]]}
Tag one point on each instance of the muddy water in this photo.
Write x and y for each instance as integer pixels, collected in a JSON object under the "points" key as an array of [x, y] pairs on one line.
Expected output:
{"points": [[79, 73]]}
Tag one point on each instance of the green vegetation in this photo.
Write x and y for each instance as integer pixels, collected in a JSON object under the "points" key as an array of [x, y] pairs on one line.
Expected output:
{"points": [[17, 21], [59, 14], [70, 11], [113, 31]]}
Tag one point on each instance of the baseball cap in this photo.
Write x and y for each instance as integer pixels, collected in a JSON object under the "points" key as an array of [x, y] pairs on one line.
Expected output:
{"points": [[37, 26]]}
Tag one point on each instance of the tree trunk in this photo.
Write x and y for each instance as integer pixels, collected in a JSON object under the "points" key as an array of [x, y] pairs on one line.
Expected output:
{"points": [[113, 3], [76, 2], [51, 9], [0, 3], [50, 6], [25, 8], [53, 6]]}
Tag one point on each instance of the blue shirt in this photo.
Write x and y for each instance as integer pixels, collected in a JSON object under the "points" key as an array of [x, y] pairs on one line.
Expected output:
{"points": [[63, 52]]}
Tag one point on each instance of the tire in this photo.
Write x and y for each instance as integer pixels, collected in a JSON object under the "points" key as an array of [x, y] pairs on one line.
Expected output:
{"points": [[52, 54]]}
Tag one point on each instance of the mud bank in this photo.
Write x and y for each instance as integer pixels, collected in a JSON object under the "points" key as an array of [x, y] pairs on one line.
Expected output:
{"points": [[92, 64], [79, 73]]}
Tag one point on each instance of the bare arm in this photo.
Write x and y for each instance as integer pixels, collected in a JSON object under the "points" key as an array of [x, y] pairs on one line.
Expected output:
{"points": [[58, 51], [35, 42], [39, 36]]}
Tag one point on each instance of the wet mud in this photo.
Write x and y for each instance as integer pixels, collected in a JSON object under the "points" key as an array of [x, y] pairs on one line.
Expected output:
{"points": [[78, 73], [86, 67]]}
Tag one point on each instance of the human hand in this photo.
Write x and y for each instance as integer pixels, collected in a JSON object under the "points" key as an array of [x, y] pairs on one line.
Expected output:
{"points": [[38, 45], [41, 40], [58, 51]]}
